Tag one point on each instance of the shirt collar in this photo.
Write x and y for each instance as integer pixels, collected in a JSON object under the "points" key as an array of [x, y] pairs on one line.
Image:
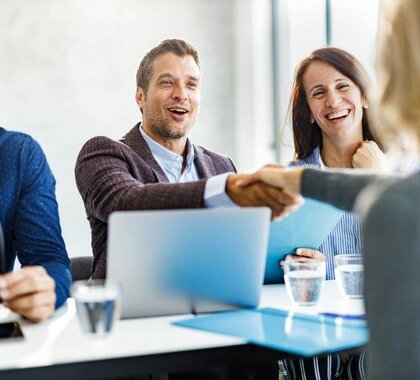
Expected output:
{"points": [[166, 157], [317, 156]]}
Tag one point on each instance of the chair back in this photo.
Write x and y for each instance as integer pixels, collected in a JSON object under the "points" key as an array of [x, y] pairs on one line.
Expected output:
{"points": [[81, 267]]}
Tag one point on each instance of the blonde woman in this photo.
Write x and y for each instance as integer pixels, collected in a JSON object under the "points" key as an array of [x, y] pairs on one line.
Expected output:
{"points": [[390, 207]]}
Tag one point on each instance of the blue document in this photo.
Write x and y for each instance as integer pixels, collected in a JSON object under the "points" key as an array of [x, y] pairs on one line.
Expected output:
{"points": [[306, 228], [299, 334]]}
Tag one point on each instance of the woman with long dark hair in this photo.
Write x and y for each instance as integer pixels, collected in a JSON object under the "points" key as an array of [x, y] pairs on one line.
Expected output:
{"points": [[332, 129]]}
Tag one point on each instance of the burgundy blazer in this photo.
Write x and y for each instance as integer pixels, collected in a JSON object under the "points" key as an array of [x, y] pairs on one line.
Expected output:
{"points": [[123, 175]]}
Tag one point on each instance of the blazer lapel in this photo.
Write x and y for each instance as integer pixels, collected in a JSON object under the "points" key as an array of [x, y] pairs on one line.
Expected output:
{"points": [[203, 163], [135, 141]]}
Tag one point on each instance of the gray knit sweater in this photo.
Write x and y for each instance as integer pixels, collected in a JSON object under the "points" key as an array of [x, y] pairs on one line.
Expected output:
{"points": [[391, 247]]}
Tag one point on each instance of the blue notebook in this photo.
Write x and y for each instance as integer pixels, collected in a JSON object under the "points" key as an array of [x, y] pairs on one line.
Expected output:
{"points": [[306, 228], [299, 334]]}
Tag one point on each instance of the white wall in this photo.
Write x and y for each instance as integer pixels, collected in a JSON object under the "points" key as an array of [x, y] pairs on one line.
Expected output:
{"points": [[354, 25], [253, 84], [67, 73], [303, 31]]}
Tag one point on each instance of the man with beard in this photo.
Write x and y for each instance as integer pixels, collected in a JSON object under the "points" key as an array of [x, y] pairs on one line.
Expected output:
{"points": [[155, 165]]}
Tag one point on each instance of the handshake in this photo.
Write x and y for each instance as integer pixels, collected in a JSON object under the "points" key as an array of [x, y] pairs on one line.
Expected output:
{"points": [[272, 186]]}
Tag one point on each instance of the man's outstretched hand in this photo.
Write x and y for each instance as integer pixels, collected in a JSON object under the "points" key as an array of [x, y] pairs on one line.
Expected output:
{"points": [[258, 194]]}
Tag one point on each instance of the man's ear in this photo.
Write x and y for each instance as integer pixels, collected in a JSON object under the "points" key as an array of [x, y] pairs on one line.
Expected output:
{"points": [[140, 97]]}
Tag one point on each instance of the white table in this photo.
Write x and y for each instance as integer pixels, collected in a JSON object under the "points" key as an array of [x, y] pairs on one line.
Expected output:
{"points": [[330, 301], [57, 347]]}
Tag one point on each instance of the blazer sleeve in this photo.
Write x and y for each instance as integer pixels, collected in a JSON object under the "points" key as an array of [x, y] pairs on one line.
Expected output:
{"points": [[111, 177]]}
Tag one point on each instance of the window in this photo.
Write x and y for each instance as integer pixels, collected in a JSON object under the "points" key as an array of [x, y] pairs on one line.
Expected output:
{"points": [[301, 26]]}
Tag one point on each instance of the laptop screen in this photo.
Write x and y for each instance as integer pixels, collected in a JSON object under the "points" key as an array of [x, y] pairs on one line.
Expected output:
{"points": [[183, 261]]}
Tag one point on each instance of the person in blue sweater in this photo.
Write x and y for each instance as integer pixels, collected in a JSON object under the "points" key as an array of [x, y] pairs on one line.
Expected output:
{"points": [[32, 233]]}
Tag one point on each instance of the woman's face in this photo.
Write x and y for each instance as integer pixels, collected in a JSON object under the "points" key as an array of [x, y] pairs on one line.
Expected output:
{"points": [[335, 102]]}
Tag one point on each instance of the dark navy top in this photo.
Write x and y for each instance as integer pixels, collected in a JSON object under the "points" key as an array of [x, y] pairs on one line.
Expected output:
{"points": [[29, 212]]}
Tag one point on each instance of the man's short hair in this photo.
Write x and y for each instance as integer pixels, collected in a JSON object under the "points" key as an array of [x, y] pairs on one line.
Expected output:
{"points": [[178, 47]]}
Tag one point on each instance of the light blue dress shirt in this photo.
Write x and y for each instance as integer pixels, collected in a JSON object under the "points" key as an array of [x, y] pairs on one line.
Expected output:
{"points": [[171, 164], [346, 236]]}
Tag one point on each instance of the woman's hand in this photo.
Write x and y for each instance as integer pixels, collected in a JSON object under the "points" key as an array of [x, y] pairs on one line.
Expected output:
{"points": [[369, 156], [260, 194], [287, 179], [304, 253]]}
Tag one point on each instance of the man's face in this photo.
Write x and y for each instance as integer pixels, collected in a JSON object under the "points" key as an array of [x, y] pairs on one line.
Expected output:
{"points": [[171, 103]]}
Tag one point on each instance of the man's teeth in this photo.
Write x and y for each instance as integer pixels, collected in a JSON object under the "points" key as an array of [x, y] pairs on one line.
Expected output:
{"points": [[177, 110], [336, 115]]}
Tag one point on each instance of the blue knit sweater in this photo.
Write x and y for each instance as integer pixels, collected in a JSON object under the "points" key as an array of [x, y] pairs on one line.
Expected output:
{"points": [[29, 212]]}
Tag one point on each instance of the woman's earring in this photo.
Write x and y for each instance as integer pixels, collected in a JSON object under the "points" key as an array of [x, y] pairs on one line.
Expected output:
{"points": [[365, 104], [312, 120]]}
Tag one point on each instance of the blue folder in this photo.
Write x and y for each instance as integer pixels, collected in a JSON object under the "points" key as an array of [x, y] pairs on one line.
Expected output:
{"points": [[299, 334], [306, 228]]}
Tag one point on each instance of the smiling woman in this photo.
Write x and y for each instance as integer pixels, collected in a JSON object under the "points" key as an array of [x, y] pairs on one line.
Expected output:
{"points": [[336, 105], [330, 83], [331, 128]]}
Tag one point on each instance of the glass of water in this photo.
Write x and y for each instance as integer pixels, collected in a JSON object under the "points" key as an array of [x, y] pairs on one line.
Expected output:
{"points": [[98, 304], [303, 279], [349, 275]]}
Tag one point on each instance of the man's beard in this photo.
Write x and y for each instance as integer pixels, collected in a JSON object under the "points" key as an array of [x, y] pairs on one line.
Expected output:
{"points": [[163, 130]]}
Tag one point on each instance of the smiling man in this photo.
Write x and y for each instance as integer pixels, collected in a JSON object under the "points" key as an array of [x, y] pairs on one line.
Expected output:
{"points": [[169, 99], [155, 165]]}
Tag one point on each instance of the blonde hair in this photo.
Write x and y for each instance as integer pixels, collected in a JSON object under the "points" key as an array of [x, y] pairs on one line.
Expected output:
{"points": [[398, 70]]}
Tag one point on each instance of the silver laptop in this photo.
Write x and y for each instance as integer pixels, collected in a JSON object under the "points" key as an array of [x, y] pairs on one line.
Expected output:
{"points": [[188, 261]]}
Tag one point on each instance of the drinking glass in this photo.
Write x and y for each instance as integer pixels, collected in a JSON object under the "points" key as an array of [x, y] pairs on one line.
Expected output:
{"points": [[98, 304], [304, 278], [349, 275]]}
